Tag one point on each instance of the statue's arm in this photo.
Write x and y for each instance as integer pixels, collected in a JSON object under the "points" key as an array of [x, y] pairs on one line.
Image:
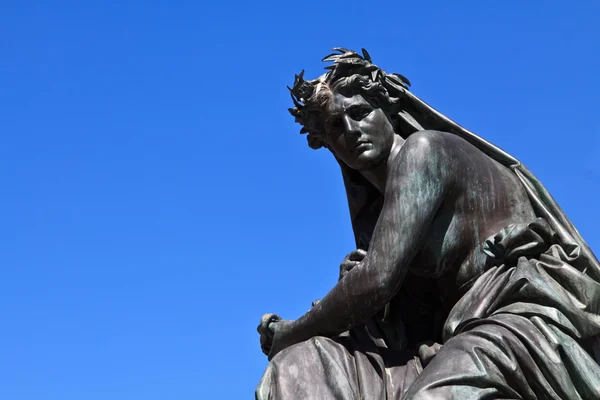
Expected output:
{"points": [[416, 187]]}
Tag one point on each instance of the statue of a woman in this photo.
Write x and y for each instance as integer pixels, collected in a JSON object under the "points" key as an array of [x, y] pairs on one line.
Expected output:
{"points": [[468, 281]]}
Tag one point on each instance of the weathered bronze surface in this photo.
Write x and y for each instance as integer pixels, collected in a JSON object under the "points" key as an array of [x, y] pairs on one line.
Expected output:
{"points": [[468, 281]]}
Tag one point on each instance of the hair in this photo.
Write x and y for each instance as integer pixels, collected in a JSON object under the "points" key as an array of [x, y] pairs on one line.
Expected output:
{"points": [[349, 75]]}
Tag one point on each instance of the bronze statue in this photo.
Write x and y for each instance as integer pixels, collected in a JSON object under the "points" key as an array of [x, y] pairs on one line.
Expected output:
{"points": [[468, 281]]}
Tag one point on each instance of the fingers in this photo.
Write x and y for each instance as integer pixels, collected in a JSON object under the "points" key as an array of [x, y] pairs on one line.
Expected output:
{"points": [[357, 255], [266, 333], [263, 327], [351, 261], [265, 344], [346, 266], [427, 352]]}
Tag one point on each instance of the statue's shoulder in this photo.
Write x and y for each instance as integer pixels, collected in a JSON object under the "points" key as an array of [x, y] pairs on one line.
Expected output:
{"points": [[448, 154], [436, 152], [437, 144], [432, 139]]}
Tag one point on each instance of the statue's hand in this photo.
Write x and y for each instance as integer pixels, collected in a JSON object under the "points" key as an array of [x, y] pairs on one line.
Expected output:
{"points": [[274, 334], [351, 261], [281, 337], [266, 332], [427, 351]]}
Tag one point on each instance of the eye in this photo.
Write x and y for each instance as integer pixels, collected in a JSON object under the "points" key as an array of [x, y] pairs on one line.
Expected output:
{"points": [[334, 124], [359, 113]]}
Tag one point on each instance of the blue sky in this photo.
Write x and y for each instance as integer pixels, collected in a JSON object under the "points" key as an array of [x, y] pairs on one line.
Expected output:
{"points": [[157, 198]]}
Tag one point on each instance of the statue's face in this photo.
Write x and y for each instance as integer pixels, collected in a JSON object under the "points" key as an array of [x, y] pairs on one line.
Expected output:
{"points": [[357, 133]]}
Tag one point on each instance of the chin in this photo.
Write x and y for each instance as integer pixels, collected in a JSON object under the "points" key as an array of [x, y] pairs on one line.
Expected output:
{"points": [[368, 160]]}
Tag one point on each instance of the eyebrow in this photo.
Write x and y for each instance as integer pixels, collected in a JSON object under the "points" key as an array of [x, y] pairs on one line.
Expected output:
{"points": [[332, 116], [355, 106], [350, 107]]}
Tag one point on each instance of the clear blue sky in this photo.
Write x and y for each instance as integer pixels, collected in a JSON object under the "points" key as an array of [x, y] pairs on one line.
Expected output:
{"points": [[157, 198]]}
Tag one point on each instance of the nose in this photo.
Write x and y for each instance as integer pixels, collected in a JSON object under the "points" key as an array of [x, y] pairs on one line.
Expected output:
{"points": [[351, 129]]}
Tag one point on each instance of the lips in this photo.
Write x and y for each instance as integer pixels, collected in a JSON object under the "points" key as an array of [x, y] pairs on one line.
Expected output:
{"points": [[362, 145]]}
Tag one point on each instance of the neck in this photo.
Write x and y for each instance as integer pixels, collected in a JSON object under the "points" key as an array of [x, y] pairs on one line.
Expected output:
{"points": [[378, 176]]}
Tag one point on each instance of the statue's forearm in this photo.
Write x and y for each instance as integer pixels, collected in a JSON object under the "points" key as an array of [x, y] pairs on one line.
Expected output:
{"points": [[363, 292]]}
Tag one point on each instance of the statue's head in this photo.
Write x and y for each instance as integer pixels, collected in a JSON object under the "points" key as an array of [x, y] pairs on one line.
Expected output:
{"points": [[352, 110]]}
